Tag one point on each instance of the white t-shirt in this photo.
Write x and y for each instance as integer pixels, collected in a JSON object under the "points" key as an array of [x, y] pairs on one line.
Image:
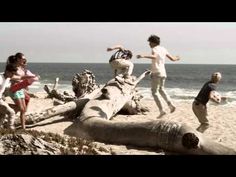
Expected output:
{"points": [[3, 84], [158, 64]]}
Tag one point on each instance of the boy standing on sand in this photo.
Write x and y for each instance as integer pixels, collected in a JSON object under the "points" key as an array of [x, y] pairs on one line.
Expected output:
{"points": [[158, 75], [199, 104]]}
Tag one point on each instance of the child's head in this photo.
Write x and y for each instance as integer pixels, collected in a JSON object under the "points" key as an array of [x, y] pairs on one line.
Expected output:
{"points": [[19, 55], [21, 60], [153, 41], [216, 77], [10, 70], [127, 54]]}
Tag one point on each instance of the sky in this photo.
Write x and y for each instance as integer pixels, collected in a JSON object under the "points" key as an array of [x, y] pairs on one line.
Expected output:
{"points": [[86, 42]]}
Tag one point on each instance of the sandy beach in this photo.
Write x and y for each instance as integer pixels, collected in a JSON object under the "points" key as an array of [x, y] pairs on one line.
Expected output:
{"points": [[221, 117]]}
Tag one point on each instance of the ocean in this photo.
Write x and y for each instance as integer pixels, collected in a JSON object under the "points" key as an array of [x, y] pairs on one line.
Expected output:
{"points": [[183, 82]]}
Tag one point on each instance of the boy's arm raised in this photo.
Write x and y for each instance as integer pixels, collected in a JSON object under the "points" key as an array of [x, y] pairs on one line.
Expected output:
{"points": [[173, 58]]}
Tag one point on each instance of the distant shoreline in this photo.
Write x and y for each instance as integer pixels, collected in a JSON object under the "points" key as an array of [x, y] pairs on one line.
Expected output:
{"points": [[148, 63]]}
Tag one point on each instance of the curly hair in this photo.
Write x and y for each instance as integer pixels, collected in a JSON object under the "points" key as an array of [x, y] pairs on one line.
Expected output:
{"points": [[155, 39], [128, 54]]}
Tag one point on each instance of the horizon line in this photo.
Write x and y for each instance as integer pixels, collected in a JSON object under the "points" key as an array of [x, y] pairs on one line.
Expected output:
{"points": [[134, 63]]}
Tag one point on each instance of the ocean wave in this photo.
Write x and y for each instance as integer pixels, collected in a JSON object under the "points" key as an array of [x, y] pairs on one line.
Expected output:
{"points": [[34, 87], [36, 83], [179, 94]]}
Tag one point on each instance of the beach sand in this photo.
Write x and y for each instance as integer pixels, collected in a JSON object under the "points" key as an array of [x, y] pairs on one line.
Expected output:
{"points": [[222, 122]]}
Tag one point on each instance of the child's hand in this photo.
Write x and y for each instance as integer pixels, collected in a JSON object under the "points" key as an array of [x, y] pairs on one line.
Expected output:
{"points": [[177, 58], [109, 49], [139, 56]]}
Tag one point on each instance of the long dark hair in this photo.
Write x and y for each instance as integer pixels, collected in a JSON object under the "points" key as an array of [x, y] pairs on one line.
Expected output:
{"points": [[10, 68], [19, 55], [11, 60]]}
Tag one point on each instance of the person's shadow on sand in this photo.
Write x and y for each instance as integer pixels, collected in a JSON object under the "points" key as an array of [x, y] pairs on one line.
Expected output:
{"points": [[76, 130]]}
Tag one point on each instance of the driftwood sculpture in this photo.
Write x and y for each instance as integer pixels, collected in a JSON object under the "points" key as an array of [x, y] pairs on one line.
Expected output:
{"points": [[169, 136], [82, 85], [119, 93], [53, 93], [166, 135], [72, 107], [86, 82]]}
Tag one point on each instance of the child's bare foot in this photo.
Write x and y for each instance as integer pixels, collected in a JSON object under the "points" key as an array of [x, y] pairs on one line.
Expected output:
{"points": [[202, 128], [162, 113], [172, 108]]}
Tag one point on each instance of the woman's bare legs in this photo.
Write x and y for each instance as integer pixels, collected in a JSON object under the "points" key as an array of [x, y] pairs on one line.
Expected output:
{"points": [[22, 107]]}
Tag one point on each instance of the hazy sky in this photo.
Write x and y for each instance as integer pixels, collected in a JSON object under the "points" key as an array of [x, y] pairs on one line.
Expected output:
{"points": [[195, 43]]}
